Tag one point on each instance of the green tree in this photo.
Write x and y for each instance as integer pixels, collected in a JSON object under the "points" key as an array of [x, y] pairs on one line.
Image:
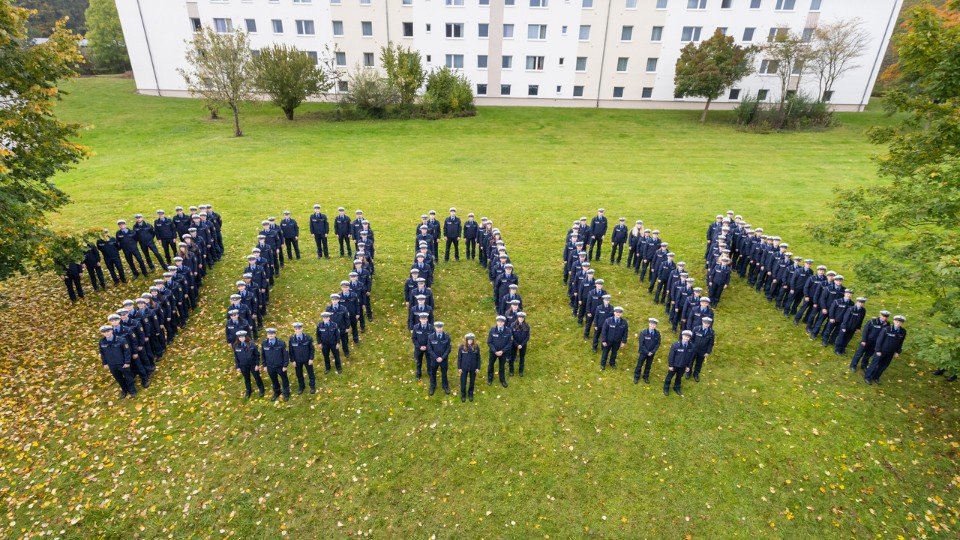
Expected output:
{"points": [[49, 12], [220, 71], [448, 92], [371, 93], [707, 69], [787, 54], [404, 71], [909, 228], [34, 144], [105, 37], [289, 76]]}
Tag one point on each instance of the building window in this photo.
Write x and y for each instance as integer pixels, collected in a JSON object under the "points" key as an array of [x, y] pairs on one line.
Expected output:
{"points": [[368, 59], [748, 34], [364, 2], [455, 61], [661, 4], [538, 3], [828, 95], [754, 4], [313, 56], [797, 68], [535, 63], [251, 25], [508, 31], [587, 4], [482, 61], [561, 60], [428, 59], [656, 34], [690, 33], [533, 90], [584, 32], [581, 63], [334, 2], [277, 26], [337, 28], [626, 33], [254, 53], [343, 86], [504, 89], [617, 92], [506, 62], [646, 92], [305, 27], [483, 30], [786, 5], [814, 5], [454, 2], [408, 2], [696, 4], [768, 67], [631, 4], [223, 26], [196, 24], [509, 2], [481, 89], [726, 4], [536, 31], [774, 32], [559, 88], [563, 30], [791, 94], [408, 29], [366, 28], [734, 94], [302, 1], [807, 35], [341, 58], [577, 91], [762, 95], [428, 28], [455, 30], [651, 64], [484, 3], [622, 64]]}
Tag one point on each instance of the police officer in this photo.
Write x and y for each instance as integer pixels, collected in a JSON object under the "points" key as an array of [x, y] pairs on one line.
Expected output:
{"points": [[146, 236], [617, 239], [320, 228], [663, 276], [434, 228], [301, 352], [181, 222], [166, 231], [452, 228], [503, 281], [127, 241], [850, 325], [291, 234], [838, 310], [468, 366], [275, 358], [703, 339], [521, 339], [471, 233], [234, 324], [868, 340], [91, 261], [613, 337], [340, 315], [649, 344], [598, 228], [111, 256], [833, 291], [328, 336], [499, 343], [343, 228], [678, 362], [420, 335], [438, 354], [71, 278], [246, 358], [889, 346], [719, 279], [811, 287], [115, 354], [351, 300], [417, 309], [601, 313]]}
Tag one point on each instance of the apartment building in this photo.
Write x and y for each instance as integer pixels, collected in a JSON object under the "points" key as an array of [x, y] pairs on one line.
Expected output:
{"points": [[578, 53]]}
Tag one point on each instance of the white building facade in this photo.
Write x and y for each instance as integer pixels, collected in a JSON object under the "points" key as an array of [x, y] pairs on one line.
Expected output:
{"points": [[578, 53]]}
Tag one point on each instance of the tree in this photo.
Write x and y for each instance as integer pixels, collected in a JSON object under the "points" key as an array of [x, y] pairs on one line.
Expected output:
{"points": [[404, 71], [789, 55], [372, 93], [706, 70], [448, 92], [220, 71], [289, 76], [836, 46], [105, 37], [49, 12], [337, 76], [909, 228], [34, 144]]}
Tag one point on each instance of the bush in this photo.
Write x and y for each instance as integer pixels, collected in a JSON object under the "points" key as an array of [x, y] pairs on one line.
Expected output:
{"points": [[371, 94], [799, 111], [448, 92]]}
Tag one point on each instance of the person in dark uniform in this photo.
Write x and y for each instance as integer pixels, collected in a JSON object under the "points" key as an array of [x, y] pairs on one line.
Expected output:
{"points": [[274, 353], [166, 231], [343, 228], [678, 363], [438, 354], [837, 311], [181, 222], [598, 228], [499, 342], [417, 309], [889, 346], [146, 238], [340, 315], [328, 337], [435, 230], [796, 285], [503, 281], [811, 290], [601, 313], [703, 339], [234, 324], [653, 247], [868, 340], [420, 335], [649, 344], [291, 234], [91, 261], [718, 279], [504, 303], [633, 237], [452, 228], [471, 233], [111, 257], [468, 366], [127, 241], [246, 358], [115, 354], [301, 352], [71, 278], [617, 239], [613, 337], [521, 338], [663, 277], [850, 325]]}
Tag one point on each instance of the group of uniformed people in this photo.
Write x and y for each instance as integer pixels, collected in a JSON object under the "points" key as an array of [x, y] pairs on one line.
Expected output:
{"points": [[817, 297], [687, 308], [136, 336], [200, 228], [339, 321]]}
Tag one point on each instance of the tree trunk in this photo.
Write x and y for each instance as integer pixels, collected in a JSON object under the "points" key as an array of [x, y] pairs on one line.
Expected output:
{"points": [[289, 113], [236, 121], [703, 117]]}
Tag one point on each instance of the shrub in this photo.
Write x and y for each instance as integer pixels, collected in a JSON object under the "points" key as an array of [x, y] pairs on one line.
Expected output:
{"points": [[448, 92], [371, 94], [798, 111]]}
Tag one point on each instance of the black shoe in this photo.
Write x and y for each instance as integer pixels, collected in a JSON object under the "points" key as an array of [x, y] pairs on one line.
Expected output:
{"points": [[687, 376], [300, 391], [275, 397], [446, 391], [463, 399], [666, 392], [511, 372], [123, 394], [339, 371], [868, 381], [262, 392], [326, 371], [603, 368], [470, 397], [247, 395], [419, 376], [678, 392], [432, 390], [521, 373], [939, 371], [594, 350], [636, 380], [504, 383], [133, 395], [853, 369], [646, 380], [313, 390], [951, 378], [612, 365], [876, 382], [489, 382], [696, 378], [146, 382]]}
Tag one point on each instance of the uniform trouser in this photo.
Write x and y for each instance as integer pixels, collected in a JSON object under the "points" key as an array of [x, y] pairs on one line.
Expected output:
{"points": [[138, 365], [292, 243], [674, 319], [698, 359], [566, 273], [677, 375], [804, 312], [843, 338], [353, 328], [470, 375], [418, 358], [653, 282], [344, 240], [436, 249], [96, 274], [345, 341], [368, 305], [247, 371], [587, 327], [124, 377], [432, 367], [818, 324], [481, 255], [148, 247], [830, 333], [715, 292], [631, 254], [753, 273], [644, 266], [183, 311], [517, 355], [616, 249], [596, 337], [503, 362], [169, 246], [219, 240], [115, 269], [130, 256], [661, 294], [278, 376], [327, 350], [782, 295], [170, 327], [761, 279], [636, 264], [310, 375], [791, 303], [74, 288], [644, 361], [862, 357], [610, 350], [279, 253], [471, 248], [581, 311], [595, 241], [879, 364], [456, 249]]}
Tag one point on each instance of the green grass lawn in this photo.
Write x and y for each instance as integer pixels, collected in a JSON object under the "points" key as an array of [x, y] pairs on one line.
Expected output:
{"points": [[778, 440]]}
